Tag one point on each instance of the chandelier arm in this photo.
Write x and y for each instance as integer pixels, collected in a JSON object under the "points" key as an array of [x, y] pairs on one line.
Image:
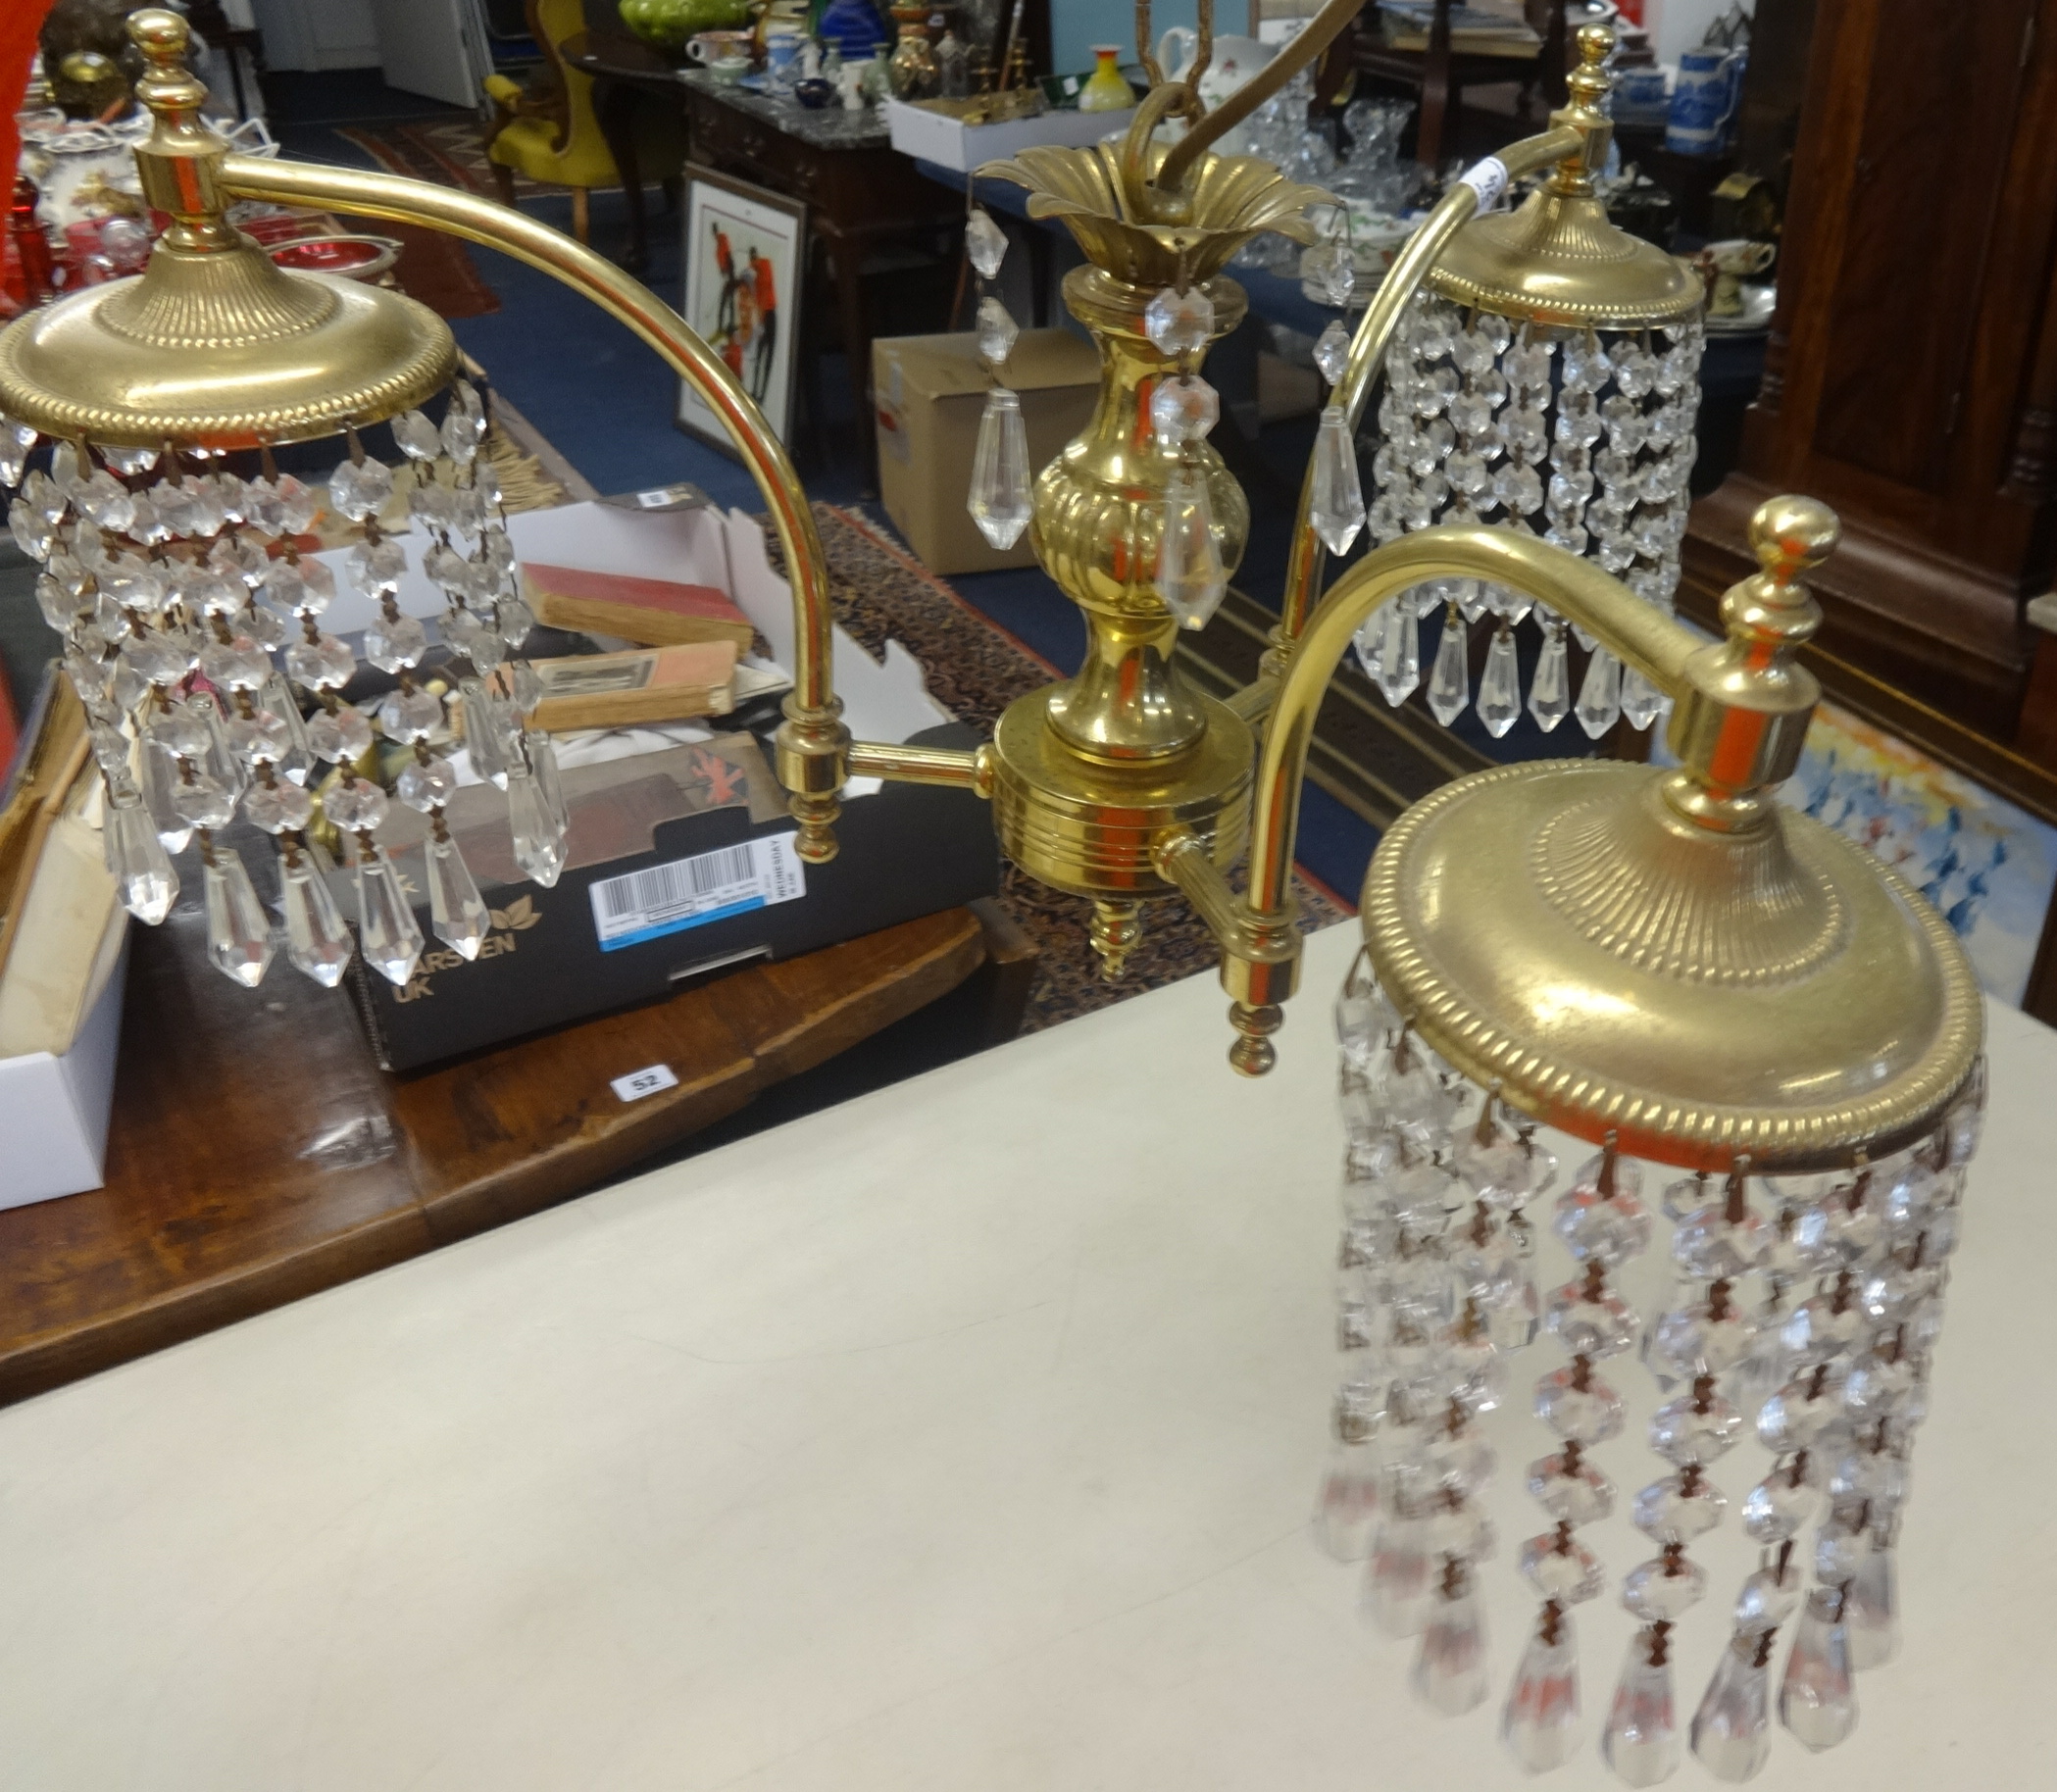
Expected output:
{"points": [[1368, 348], [1260, 943], [813, 744], [1313, 38]]}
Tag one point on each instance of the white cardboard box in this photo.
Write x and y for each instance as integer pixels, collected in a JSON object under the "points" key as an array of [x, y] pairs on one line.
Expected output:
{"points": [[934, 136], [54, 1110]]}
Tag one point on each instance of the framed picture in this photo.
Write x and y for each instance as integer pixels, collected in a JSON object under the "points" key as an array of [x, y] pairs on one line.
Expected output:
{"points": [[745, 250]]}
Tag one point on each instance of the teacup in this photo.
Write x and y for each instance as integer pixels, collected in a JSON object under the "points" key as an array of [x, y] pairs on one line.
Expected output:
{"points": [[730, 69], [710, 47], [1723, 266]]}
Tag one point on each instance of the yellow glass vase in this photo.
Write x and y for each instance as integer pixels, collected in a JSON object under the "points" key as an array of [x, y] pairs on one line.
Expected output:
{"points": [[1106, 89]]}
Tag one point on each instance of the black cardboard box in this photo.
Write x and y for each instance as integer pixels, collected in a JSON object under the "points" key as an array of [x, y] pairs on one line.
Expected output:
{"points": [[633, 927]]}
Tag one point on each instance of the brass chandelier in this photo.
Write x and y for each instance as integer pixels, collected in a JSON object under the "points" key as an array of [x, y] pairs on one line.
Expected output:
{"points": [[1663, 964]]}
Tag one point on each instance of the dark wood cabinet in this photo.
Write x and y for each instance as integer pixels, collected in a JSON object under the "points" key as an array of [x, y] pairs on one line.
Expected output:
{"points": [[1911, 377]]}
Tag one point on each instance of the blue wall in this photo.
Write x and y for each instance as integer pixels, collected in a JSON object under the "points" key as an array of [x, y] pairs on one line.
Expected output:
{"points": [[1076, 26]]}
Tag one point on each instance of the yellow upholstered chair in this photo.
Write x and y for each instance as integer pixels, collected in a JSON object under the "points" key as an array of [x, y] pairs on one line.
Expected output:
{"points": [[551, 137]]}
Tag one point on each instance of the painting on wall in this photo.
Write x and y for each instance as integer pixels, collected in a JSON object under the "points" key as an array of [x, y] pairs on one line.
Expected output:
{"points": [[745, 253], [1988, 865]]}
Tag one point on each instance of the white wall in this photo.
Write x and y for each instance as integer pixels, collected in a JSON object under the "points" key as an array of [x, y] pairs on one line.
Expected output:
{"points": [[318, 33], [1679, 25]]}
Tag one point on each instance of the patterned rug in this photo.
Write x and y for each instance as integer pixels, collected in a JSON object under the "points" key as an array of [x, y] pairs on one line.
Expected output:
{"points": [[974, 669], [451, 152]]}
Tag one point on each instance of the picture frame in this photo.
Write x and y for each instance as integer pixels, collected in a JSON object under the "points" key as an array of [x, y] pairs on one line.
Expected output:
{"points": [[741, 239]]}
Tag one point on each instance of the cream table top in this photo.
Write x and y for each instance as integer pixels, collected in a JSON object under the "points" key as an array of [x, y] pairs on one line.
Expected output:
{"points": [[961, 1437]]}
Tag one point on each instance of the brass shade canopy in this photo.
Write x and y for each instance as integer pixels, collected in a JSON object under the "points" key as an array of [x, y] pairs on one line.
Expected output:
{"points": [[1554, 929], [1558, 260], [214, 344]]}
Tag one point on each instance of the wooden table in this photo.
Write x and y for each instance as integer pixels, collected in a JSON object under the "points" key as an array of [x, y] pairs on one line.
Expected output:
{"points": [[258, 1154], [626, 74]]}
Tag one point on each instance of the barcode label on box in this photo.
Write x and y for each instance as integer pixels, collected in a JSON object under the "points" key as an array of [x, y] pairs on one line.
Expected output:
{"points": [[687, 893]]}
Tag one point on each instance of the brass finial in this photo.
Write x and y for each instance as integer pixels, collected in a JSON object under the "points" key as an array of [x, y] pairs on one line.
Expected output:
{"points": [[1790, 535]]}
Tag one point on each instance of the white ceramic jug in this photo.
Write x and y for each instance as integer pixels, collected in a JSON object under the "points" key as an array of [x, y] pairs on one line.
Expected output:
{"points": [[1233, 62]]}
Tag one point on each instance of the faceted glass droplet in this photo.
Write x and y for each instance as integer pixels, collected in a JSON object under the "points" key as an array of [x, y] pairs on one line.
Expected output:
{"points": [[1539, 1726], [356, 805], [996, 331], [1767, 1599], [1601, 1228], [238, 930], [389, 936], [1641, 1740], [999, 496], [426, 786], [1640, 699], [359, 488], [1347, 1506], [1666, 1512], [1600, 695], [1731, 1729], [409, 716], [985, 242], [1449, 1666], [343, 735], [457, 911], [1499, 702], [1396, 1587], [1397, 669], [316, 943], [1332, 352], [1681, 1433], [1665, 1589], [136, 858], [1338, 509], [1589, 1326], [1550, 690], [1870, 1611], [1775, 1508], [1816, 1698], [1190, 577]]}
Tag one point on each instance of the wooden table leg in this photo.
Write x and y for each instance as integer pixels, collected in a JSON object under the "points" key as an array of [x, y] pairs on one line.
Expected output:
{"points": [[613, 106], [847, 254]]}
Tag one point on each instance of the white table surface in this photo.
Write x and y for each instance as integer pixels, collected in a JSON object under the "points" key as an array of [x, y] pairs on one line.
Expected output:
{"points": [[961, 1437]]}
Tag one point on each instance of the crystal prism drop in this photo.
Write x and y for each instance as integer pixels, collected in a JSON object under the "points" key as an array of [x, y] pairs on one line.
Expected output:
{"points": [[540, 751], [1190, 577], [1450, 681], [1332, 352], [1816, 1700], [458, 912], [238, 930], [998, 500], [136, 858], [1449, 1666], [1640, 1742], [1870, 1611], [538, 840], [1550, 690], [316, 943], [1640, 699], [1499, 703], [1339, 496], [1400, 653], [1396, 1585], [1600, 695], [485, 732], [389, 934], [160, 784], [1731, 1729], [1348, 1503], [1541, 1716]]}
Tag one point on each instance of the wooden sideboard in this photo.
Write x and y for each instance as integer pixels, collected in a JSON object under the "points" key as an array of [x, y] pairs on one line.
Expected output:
{"points": [[1911, 379]]}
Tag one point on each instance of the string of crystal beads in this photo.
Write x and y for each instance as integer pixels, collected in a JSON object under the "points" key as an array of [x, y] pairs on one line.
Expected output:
{"points": [[1814, 1307], [1584, 438], [171, 580]]}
